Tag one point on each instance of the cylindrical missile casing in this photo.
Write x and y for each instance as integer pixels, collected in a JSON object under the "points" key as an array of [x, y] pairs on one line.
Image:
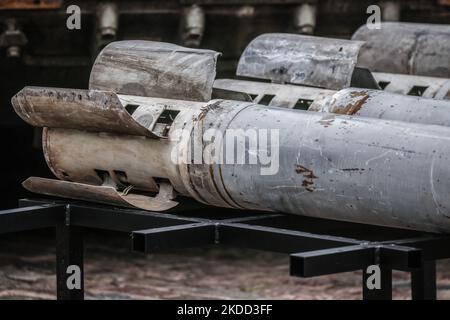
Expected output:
{"points": [[408, 48], [384, 105], [322, 165]]}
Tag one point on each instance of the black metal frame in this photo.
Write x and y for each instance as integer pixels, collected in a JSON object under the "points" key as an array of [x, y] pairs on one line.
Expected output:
{"points": [[316, 246]]}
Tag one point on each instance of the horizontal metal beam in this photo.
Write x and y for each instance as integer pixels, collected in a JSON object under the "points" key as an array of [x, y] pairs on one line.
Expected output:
{"points": [[399, 253], [329, 261], [41, 201], [433, 246], [400, 257], [124, 220], [356, 257], [173, 237], [29, 218], [275, 239], [253, 218]]}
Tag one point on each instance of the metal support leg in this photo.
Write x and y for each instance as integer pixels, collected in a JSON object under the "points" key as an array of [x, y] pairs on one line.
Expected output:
{"points": [[69, 262], [384, 291], [423, 282]]}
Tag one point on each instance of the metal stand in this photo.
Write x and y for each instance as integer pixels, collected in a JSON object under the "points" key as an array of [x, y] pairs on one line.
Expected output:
{"points": [[316, 246], [423, 282], [384, 292], [69, 252]]}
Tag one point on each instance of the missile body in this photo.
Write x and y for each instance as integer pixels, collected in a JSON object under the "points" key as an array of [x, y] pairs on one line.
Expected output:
{"points": [[246, 156], [406, 48], [133, 140]]}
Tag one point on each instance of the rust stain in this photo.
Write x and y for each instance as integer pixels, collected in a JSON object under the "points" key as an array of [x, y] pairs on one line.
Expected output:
{"points": [[353, 108], [358, 94], [309, 175]]}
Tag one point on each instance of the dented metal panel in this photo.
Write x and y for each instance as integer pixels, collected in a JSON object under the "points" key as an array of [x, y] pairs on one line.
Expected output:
{"points": [[91, 110], [406, 48], [101, 194], [257, 62], [155, 69], [117, 168], [385, 105], [300, 59]]}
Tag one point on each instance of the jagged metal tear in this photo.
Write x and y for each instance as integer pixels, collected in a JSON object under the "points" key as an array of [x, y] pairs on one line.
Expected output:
{"points": [[102, 194], [155, 69], [90, 110], [299, 59]]}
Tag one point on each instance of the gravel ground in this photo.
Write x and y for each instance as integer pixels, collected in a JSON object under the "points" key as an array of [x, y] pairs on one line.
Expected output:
{"points": [[27, 265]]}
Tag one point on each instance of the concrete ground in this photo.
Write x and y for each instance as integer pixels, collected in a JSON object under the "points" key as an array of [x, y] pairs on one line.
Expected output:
{"points": [[27, 264]]}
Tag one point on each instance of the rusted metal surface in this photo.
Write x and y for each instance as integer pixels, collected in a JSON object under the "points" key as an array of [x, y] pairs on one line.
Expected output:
{"points": [[101, 194], [385, 105], [30, 4], [330, 166], [406, 48], [344, 168], [300, 59], [91, 110], [341, 167], [105, 164], [155, 69]]}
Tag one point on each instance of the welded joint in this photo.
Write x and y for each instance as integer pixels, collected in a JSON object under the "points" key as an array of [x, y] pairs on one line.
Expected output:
{"points": [[395, 256]]}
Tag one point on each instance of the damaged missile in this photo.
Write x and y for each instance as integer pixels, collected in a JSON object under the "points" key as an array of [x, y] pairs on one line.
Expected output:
{"points": [[406, 48], [247, 156], [333, 64], [288, 59], [150, 152], [191, 77]]}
